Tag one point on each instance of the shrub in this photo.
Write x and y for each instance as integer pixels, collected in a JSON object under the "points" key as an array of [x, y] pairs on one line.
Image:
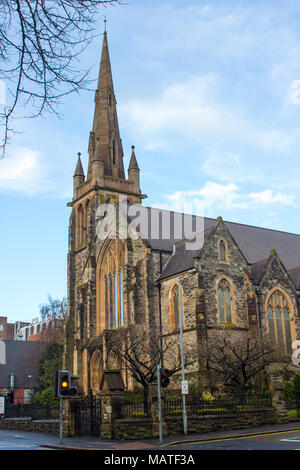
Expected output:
{"points": [[207, 396], [138, 414], [46, 398], [288, 391]]}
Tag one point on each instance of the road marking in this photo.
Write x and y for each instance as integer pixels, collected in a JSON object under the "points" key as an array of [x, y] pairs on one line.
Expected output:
{"points": [[292, 439], [207, 441]]}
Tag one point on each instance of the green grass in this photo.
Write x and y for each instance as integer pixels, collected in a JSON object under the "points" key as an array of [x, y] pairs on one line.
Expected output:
{"points": [[292, 414]]}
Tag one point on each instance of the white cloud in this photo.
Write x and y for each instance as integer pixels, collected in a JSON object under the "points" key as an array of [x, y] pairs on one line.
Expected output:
{"points": [[22, 171], [225, 197], [196, 109], [27, 171], [268, 197]]}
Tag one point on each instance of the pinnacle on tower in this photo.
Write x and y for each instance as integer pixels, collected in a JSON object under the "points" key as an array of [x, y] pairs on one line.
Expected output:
{"points": [[78, 177], [134, 171], [133, 162], [79, 169]]}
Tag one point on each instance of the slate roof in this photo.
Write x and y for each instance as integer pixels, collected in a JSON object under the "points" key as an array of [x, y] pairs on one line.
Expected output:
{"points": [[254, 242], [257, 271], [295, 275], [22, 359]]}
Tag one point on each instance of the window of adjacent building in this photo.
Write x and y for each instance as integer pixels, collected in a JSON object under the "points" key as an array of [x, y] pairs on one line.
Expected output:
{"points": [[110, 288], [279, 321], [224, 302]]}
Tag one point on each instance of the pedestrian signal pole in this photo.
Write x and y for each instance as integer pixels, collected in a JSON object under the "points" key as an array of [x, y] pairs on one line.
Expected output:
{"points": [[63, 389]]}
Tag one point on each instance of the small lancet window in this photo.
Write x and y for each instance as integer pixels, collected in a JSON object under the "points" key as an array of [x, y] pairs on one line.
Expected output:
{"points": [[114, 152], [222, 251]]}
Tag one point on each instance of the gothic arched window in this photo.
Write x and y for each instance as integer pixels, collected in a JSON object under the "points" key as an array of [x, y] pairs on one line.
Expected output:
{"points": [[85, 223], [114, 151], [79, 226], [279, 321], [110, 285], [224, 302], [175, 307], [222, 251]]}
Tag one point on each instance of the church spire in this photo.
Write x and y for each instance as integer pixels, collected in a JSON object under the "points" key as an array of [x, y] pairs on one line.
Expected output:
{"points": [[105, 124]]}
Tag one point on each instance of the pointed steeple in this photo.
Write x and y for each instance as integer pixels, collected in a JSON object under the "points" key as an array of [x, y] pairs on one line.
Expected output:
{"points": [[105, 124]]}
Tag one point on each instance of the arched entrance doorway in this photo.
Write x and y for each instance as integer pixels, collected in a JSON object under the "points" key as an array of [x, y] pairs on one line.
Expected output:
{"points": [[96, 371]]}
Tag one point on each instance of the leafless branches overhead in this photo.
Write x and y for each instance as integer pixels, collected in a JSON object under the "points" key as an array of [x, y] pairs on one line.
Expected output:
{"points": [[40, 43]]}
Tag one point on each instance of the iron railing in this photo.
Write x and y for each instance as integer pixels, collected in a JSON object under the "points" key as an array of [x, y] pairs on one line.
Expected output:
{"points": [[131, 410], [200, 407], [32, 411]]}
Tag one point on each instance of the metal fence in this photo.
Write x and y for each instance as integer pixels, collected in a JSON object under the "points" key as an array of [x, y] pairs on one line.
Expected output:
{"points": [[131, 410], [200, 407], [31, 411]]}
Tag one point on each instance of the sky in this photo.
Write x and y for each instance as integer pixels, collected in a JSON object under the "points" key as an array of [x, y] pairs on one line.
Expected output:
{"points": [[209, 94]]}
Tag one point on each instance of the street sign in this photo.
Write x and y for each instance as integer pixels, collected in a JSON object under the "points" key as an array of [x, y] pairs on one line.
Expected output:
{"points": [[184, 387], [2, 405]]}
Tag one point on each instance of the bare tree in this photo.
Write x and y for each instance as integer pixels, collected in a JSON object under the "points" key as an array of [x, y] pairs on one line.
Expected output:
{"points": [[40, 42], [55, 312], [236, 359], [54, 309], [139, 349]]}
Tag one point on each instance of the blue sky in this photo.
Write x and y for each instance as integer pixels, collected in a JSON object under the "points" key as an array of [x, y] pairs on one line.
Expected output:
{"points": [[209, 94]]}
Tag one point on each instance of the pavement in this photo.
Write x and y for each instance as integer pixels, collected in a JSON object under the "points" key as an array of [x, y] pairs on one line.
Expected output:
{"points": [[93, 443]]}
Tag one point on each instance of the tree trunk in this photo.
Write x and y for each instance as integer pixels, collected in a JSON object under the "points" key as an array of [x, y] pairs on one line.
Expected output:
{"points": [[146, 400]]}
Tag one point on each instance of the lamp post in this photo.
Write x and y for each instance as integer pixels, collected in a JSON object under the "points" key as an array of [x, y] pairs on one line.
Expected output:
{"points": [[182, 357]]}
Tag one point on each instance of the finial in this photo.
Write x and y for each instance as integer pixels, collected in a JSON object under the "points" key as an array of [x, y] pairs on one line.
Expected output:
{"points": [[133, 147], [79, 154], [105, 21]]}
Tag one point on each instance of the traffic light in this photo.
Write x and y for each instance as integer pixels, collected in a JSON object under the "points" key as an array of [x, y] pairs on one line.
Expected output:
{"points": [[62, 384], [164, 377]]}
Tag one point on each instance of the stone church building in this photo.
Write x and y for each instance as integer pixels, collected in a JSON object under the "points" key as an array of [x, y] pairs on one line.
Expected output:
{"points": [[240, 277]]}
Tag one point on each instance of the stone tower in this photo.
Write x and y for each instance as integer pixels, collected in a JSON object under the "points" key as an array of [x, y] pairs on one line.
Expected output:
{"points": [[104, 181]]}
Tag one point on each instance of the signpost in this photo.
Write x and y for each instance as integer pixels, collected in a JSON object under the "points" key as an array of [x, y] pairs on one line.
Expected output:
{"points": [[2, 405], [184, 387]]}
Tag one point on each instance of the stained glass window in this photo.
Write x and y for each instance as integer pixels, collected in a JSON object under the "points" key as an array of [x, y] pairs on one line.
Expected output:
{"points": [[279, 321], [175, 308], [224, 302], [110, 287]]}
